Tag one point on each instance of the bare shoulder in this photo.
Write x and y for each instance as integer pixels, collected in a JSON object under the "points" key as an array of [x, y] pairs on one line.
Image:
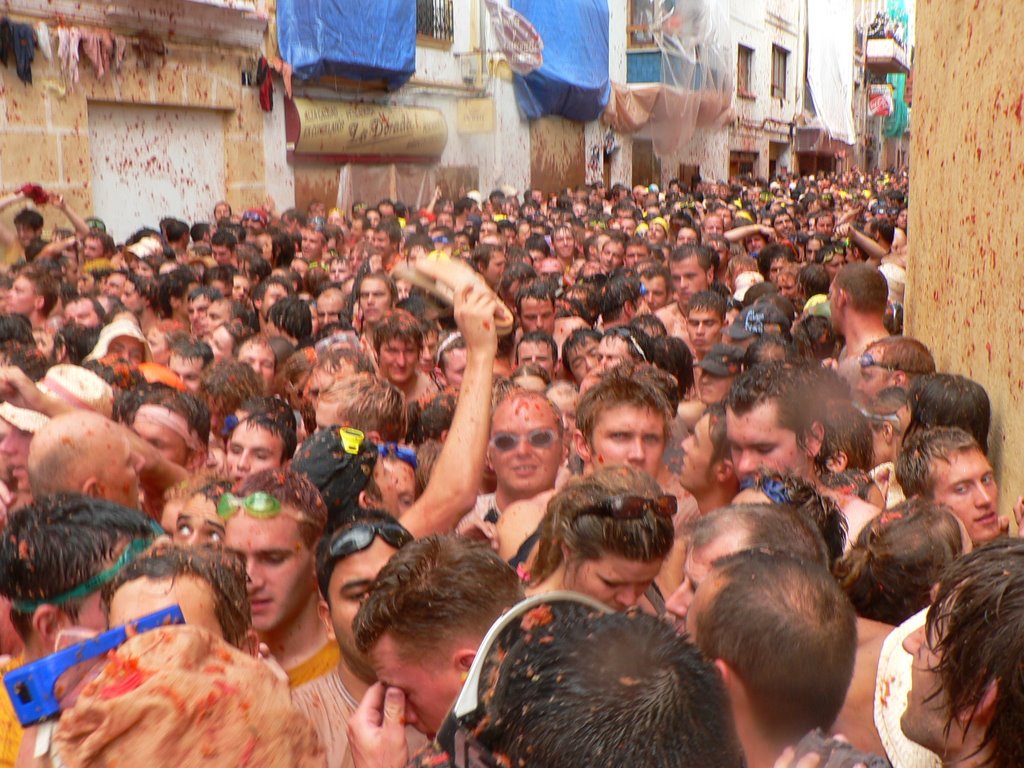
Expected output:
{"points": [[519, 521]]}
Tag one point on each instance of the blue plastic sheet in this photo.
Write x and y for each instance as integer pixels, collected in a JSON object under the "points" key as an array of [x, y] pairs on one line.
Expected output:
{"points": [[357, 39], [573, 82]]}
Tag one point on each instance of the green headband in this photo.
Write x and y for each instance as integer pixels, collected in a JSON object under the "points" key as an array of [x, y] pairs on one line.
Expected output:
{"points": [[136, 547]]}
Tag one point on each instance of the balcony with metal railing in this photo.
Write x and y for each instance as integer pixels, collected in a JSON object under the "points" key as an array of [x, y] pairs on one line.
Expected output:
{"points": [[435, 23]]}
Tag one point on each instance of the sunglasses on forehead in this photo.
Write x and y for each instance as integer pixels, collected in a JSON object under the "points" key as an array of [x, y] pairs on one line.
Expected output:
{"points": [[867, 360], [627, 507], [260, 505], [401, 452], [361, 535]]}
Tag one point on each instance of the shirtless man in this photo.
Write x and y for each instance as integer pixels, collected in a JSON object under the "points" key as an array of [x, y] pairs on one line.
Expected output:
{"points": [[693, 269]]}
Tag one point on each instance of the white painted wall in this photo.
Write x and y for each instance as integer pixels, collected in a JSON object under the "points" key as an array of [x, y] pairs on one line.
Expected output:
{"points": [[757, 24], [502, 157], [171, 159], [280, 177]]}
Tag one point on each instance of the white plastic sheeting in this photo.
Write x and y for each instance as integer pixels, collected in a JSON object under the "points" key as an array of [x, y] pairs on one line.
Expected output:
{"points": [[830, 65], [697, 75]]}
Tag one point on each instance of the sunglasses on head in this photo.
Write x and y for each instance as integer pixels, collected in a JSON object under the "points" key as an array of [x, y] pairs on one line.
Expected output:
{"points": [[867, 360], [628, 507], [260, 505], [361, 535], [537, 438], [400, 452]]}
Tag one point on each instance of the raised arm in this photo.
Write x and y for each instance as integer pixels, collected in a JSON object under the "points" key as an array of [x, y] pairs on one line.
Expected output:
{"points": [[738, 234], [872, 248], [455, 481], [7, 235], [58, 202]]}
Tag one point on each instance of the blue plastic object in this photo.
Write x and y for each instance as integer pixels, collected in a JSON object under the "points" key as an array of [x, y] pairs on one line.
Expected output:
{"points": [[32, 688], [356, 39], [573, 81]]}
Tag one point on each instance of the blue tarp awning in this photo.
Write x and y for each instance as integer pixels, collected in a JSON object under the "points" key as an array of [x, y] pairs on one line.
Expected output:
{"points": [[357, 39], [573, 82]]}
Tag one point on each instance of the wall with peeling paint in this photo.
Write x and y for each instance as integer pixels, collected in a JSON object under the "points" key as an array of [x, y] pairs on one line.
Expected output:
{"points": [[965, 276], [44, 127]]}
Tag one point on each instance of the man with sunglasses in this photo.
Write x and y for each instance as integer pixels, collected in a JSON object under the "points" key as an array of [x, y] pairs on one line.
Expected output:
{"points": [[347, 562], [274, 520], [525, 451], [894, 361], [857, 298]]}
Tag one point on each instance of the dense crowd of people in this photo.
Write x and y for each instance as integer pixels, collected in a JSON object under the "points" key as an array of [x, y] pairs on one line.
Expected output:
{"points": [[599, 478]]}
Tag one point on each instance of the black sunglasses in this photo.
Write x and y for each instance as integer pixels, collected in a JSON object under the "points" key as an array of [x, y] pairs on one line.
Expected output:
{"points": [[632, 507], [361, 535]]}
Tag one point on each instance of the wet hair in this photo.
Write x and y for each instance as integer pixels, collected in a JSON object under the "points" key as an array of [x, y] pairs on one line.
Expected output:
{"points": [[708, 301], [76, 341], [771, 527], [58, 543], [791, 389], [15, 328], [539, 337], [43, 283], [622, 287], [292, 315], [430, 419], [770, 254], [397, 325], [223, 237], [185, 404], [260, 289], [296, 491], [903, 353], [515, 272], [616, 387], [972, 628], [172, 285], [326, 562], [950, 400], [864, 286], [802, 496], [625, 676], [368, 404], [576, 339], [814, 337], [227, 384], [847, 432], [813, 280], [898, 557], [192, 349], [670, 359], [383, 277], [915, 465], [273, 408], [539, 289], [789, 634], [771, 348], [279, 428], [27, 357], [222, 570], [569, 524], [433, 592], [28, 218], [205, 292], [707, 258]]}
